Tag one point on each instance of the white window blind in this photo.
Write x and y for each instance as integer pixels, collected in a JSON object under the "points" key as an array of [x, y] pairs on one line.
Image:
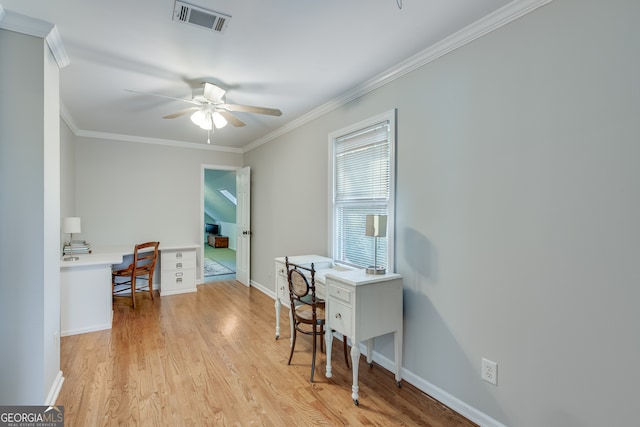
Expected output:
{"points": [[362, 185]]}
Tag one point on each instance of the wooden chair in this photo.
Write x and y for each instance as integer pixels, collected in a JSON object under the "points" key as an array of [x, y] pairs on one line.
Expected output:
{"points": [[307, 310], [144, 263]]}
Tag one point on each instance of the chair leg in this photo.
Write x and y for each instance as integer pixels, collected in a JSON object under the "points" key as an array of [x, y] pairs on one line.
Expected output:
{"points": [[293, 344], [151, 285], [322, 332], [313, 357], [346, 353], [133, 290]]}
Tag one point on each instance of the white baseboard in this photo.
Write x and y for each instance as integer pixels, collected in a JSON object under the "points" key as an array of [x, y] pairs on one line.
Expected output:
{"points": [[178, 291], [263, 289], [55, 390], [437, 393], [432, 390], [93, 328]]}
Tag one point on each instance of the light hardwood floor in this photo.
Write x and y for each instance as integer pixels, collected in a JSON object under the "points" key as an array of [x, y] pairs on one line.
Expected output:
{"points": [[210, 358]]}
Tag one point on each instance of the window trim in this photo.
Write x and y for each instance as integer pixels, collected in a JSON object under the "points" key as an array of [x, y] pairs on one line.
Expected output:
{"points": [[389, 116]]}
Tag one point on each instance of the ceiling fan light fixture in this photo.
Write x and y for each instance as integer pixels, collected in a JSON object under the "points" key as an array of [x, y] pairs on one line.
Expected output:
{"points": [[219, 120], [203, 119]]}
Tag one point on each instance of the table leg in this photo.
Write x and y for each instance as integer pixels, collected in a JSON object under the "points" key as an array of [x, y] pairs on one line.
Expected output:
{"points": [[369, 352], [355, 358], [278, 305], [328, 341], [397, 342]]}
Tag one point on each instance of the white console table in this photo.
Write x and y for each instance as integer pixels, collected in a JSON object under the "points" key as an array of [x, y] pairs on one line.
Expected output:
{"points": [[358, 305], [363, 306]]}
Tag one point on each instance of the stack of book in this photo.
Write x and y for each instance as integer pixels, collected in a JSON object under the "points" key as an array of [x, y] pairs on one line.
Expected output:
{"points": [[77, 247]]}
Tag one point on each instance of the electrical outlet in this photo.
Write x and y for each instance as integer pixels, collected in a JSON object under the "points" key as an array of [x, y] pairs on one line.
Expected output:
{"points": [[489, 371]]}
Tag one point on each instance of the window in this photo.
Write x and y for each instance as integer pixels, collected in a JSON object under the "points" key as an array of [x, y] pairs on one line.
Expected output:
{"points": [[363, 176]]}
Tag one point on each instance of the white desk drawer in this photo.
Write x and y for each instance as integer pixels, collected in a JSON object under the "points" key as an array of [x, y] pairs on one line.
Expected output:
{"points": [[178, 279], [179, 265], [339, 293], [340, 318], [179, 256], [281, 271]]}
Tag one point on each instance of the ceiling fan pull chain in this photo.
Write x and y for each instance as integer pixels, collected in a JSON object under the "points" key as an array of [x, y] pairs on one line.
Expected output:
{"points": [[208, 136]]}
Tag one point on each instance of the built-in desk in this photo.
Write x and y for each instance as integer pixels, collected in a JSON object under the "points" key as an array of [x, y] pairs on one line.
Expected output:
{"points": [[85, 293], [358, 305], [85, 284]]}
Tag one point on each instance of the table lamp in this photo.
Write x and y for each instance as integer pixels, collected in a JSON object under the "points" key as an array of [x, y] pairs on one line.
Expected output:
{"points": [[71, 225], [376, 226]]}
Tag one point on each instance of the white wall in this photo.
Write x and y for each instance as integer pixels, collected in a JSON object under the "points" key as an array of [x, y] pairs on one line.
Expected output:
{"points": [[67, 175], [517, 215], [30, 220], [129, 192]]}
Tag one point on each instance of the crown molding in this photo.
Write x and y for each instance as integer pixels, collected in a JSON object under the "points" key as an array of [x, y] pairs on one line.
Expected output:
{"points": [[38, 28], [64, 114], [156, 141], [506, 14], [68, 119]]}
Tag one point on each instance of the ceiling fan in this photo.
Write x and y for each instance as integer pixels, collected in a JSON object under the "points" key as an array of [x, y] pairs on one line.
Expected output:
{"points": [[210, 111]]}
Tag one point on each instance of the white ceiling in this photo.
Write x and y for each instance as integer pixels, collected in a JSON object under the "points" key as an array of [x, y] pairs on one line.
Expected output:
{"points": [[295, 55]]}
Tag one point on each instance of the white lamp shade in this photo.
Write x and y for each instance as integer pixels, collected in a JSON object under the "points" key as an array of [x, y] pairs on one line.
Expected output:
{"points": [[376, 226], [203, 119], [219, 120], [71, 224]]}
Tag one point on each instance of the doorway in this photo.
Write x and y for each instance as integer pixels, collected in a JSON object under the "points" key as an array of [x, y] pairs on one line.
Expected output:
{"points": [[219, 220]]}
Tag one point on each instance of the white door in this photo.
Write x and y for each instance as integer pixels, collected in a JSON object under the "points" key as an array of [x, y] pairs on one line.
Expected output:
{"points": [[243, 223]]}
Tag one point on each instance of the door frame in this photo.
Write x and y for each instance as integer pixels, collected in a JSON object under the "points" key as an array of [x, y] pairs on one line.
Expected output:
{"points": [[203, 168]]}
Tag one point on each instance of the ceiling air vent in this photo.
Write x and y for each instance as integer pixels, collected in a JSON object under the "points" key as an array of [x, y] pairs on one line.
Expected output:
{"points": [[199, 17]]}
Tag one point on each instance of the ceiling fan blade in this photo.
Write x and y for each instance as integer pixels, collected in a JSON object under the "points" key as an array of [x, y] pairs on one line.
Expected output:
{"points": [[212, 92], [180, 113], [232, 119], [190, 101], [251, 109]]}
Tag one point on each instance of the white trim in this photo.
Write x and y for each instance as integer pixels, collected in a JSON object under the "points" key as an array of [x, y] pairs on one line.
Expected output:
{"points": [[157, 141], [485, 25], [64, 114], [391, 117], [57, 48], [54, 391], [179, 291], [93, 328], [437, 393], [203, 171], [262, 289], [38, 28]]}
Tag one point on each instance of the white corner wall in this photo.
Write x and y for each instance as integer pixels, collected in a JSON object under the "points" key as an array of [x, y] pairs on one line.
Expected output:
{"points": [[30, 212], [517, 215]]}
